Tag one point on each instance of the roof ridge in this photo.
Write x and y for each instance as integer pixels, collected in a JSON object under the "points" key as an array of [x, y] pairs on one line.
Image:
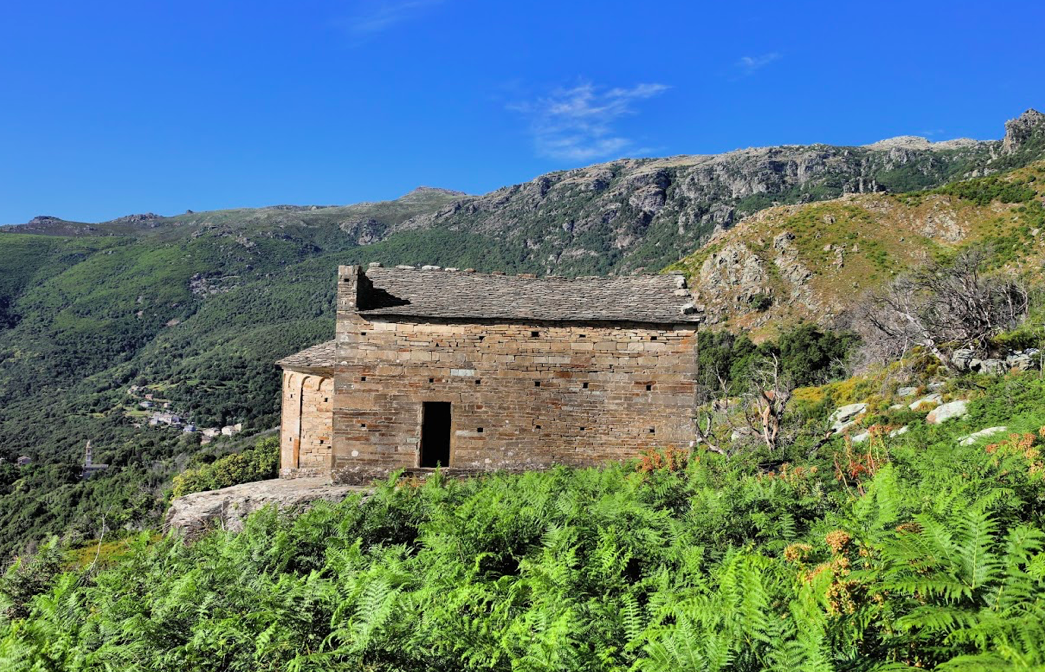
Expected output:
{"points": [[427, 268]]}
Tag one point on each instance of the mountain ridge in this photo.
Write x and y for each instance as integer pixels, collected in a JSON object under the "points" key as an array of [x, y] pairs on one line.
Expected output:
{"points": [[621, 216]]}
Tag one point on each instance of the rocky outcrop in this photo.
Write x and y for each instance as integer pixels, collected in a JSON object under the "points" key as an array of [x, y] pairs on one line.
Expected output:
{"points": [[983, 433], [926, 401], [846, 416], [1020, 360], [733, 270], [948, 411], [228, 508], [1022, 131]]}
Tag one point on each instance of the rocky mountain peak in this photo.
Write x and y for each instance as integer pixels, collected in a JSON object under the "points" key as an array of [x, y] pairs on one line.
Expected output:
{"points": [[423, 190], [904, 141], [1023, 128], [44, 219], [137, 218]]}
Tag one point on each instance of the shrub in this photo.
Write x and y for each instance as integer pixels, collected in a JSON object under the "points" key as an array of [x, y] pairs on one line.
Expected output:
{"points": [[28, 577], [253, 464]]}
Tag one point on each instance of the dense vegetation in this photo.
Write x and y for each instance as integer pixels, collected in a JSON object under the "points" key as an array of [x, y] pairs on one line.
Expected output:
{"points": [[257, 463], [808, 354], [912, 551]]}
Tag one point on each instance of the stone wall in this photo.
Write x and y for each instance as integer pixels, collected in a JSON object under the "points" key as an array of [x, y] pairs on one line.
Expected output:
{"points": [[305, 431], [524, 396]]}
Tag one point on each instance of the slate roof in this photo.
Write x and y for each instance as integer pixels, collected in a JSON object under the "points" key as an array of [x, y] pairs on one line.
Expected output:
{"points": [[320, 356], [651, 299]]}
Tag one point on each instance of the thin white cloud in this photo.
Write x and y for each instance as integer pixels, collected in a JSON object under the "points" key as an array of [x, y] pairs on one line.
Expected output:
{"points": [[378, 16], [749, 65], [579, 123]]}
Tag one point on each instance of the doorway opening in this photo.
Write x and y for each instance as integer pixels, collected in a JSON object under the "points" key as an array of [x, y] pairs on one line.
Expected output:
{"points": [[435, 434]]}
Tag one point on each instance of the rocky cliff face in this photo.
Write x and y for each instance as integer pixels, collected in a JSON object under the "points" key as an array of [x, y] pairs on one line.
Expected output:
{"points": [[644, 213], [815, 261]]}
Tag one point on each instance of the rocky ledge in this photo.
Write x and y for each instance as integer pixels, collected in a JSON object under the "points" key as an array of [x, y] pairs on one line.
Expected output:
{"points": [[228, 508]]}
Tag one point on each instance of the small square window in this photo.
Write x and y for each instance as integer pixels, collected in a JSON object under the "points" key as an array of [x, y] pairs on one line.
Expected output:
{"points": [[537, 427], [482, 338], [362, 379], [652, 430], [362, 333], [583, 428], [480, 430], [431, 380], [477, 381], [652, 338], [585, 385], [362, 425], [534, 334], [649, 388], [536, 383], [582, 336]]}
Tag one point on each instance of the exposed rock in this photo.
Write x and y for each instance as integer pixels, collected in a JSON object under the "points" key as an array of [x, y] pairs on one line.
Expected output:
{"points": [[948, 411], [928, 400], [1023, 361], [228, 508], [988, 366], [899, 432], [962, 358], [907, 391], [364, 231], [862, 437], [845, 416], [733, 268], [1018, 131], [975, 436], [966, 360]]}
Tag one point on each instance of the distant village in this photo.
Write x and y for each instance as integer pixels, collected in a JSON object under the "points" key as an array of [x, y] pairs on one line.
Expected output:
{"points": [[160, 412], [153, 411]]}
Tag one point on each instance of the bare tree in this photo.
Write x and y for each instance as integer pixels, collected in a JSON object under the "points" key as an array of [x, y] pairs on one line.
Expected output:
{"points": [[767, 400], [712, 402], [945, 306]]}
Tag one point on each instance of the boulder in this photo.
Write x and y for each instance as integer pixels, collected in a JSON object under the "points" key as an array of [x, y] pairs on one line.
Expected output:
{"points": [[228, 508], [899, 432], [862, 437], [1021, 361], [962, 358], [989, 366], [845, 416], [928, 400], [907, 391], [948, 411], [983, 433]]}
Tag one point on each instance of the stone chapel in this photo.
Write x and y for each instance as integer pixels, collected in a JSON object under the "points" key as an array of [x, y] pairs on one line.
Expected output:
{"points": [[473, 372]]}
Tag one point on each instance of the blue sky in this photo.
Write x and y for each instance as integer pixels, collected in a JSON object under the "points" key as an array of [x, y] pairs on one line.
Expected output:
{"points": [[109, 108]]}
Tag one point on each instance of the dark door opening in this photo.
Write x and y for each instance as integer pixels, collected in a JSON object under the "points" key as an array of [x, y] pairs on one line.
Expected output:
{"points": [[435, 434]]}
